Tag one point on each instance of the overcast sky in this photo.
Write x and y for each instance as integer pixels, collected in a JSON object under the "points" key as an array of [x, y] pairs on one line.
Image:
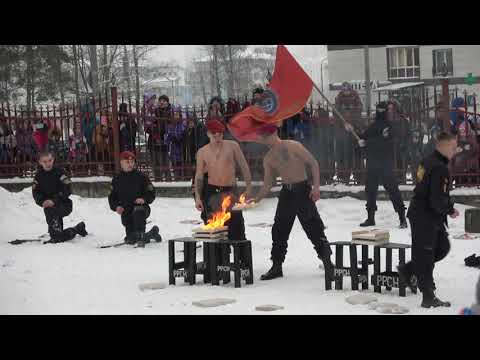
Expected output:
{"points": [[182, 53]]}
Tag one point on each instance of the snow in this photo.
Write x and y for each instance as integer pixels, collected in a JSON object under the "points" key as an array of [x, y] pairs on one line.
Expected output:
{"points": [[16, 180], [341, 188], [79, 278]]}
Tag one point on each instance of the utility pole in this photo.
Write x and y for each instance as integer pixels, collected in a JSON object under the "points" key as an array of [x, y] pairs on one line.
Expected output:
{"points": [[325, 59], [367, 80]]}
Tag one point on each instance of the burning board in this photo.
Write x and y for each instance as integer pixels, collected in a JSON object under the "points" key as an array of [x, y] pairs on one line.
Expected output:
{"points": [[242, 204], [218, 233]]}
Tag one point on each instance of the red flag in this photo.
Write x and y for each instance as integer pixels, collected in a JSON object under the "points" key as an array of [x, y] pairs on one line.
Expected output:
{"points": [[286, 95]]}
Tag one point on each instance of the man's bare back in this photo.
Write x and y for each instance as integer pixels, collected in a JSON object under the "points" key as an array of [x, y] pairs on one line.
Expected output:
{"points": [[219, 162], [287, 160]]}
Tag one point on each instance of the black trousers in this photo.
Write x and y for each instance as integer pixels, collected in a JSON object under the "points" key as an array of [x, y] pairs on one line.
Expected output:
{"points": [[430, 244], [212, 201], [294, 200], [54, 216], [384, 176], [135, 219]]}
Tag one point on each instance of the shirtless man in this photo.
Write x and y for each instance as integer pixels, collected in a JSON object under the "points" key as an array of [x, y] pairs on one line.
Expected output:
{"points": [[219, 159], [289, 159]]}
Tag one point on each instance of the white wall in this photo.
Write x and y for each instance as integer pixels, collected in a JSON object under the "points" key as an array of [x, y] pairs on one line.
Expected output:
{"points": [[465, 59], [348, 65]]}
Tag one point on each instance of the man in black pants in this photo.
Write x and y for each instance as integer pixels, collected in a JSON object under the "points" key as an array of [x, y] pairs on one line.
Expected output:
{"points": [[427, 213], [51, 190], [289, 159], [130, 196], [219, 158], [378, 139]]}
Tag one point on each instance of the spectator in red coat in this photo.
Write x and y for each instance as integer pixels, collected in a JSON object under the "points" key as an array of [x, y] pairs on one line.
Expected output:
{"points": [[40, 134]]}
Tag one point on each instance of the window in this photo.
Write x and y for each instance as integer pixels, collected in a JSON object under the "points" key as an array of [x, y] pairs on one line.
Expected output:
{"points": [[403, 63], [442, 62]]}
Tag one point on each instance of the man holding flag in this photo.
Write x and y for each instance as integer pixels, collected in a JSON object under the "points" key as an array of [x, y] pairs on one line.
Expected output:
{"points": [[288, 92]]}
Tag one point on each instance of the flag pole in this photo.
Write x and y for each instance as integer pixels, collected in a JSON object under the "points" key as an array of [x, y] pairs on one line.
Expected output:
{"points": [[336, 111]]}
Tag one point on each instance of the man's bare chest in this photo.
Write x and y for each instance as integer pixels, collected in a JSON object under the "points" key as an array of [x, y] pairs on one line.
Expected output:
{"points": [[282, 158], [222, 157]]}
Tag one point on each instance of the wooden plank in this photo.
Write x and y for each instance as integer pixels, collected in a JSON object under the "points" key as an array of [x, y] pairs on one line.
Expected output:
{"points": [[370, 242], [339, 264], [401, 261], [171, 262], [212, 237], [210, 231], [213, 265], [388, 264], [376, 267], [365, 265], [371, 234], [353, 267]]}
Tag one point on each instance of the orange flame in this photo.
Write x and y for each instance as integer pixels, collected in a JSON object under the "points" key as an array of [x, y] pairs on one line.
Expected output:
{"points": [[242, 199], [219, 218]]}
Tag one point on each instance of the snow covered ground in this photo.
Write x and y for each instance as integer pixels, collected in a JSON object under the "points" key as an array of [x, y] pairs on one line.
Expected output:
{"points": [[79, 278]]}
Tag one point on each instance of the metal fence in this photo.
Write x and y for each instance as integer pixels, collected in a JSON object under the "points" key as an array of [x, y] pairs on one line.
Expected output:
{"points": [[88, 137]]}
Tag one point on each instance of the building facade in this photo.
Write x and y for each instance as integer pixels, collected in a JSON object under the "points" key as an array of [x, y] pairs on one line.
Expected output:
{"points": [[392, 64]]}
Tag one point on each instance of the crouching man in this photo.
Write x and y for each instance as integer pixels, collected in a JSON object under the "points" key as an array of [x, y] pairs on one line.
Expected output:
{"points": [[130, 197], [51, 190]]}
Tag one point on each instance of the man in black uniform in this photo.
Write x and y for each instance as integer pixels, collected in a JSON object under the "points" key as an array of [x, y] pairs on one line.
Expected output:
{"points": [[427, 213], [51, 190], [378, 140], [131, 193]]}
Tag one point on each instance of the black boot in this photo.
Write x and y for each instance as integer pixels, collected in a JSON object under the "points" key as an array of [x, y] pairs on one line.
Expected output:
{"points": [[430, 300], [140, 237], [274, 272], [371, 219], [130, 239], [472, 261], [153, 234], [406, 275], [80, 229], [403, 221]]}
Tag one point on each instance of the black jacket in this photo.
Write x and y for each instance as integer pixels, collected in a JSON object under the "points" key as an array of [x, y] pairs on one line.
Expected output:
{"points": [[127, 187], [431, 199], [379, 143], [52, 185]]}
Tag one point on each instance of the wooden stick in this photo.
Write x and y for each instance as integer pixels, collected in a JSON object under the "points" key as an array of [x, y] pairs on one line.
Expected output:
{"points": [[336, 111]]}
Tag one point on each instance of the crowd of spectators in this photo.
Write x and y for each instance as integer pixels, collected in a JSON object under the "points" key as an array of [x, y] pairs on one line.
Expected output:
{"points": [[170, 136]]}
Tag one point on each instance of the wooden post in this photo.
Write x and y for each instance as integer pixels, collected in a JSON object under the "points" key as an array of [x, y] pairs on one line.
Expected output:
{"points": [[446, 106], [474, 108], [116, 135]]}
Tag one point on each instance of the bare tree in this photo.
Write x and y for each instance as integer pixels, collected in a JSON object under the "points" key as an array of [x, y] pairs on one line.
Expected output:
{"points": [[216, 70], [126, 71], [75, 63], [93, 69]]}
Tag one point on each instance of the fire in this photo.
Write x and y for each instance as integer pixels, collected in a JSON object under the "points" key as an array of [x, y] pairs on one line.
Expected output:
{"points": [[219, 218], [242, 203], [242, 199]]}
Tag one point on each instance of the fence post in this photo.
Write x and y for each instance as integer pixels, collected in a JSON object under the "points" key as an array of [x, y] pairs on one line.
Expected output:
{"points": [[116, 137]]}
